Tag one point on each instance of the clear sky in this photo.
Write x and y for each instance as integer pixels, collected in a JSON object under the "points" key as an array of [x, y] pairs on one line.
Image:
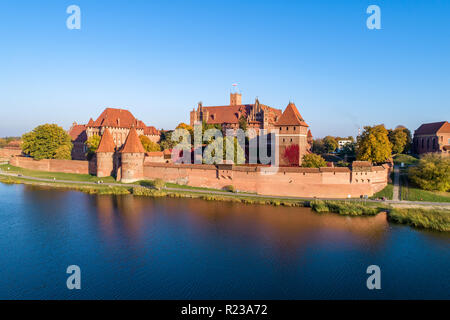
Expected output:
{"points": [[159, 58]]}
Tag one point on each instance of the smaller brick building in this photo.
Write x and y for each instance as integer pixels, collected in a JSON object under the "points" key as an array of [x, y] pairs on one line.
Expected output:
{"points": [[432, 137], [294, 138]]}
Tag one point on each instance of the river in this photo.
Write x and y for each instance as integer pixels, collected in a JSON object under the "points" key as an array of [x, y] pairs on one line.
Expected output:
{"points": [[142, 248]]}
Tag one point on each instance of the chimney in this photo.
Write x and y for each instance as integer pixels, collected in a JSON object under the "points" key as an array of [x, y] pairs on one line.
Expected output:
{"points": [[235, 99]]}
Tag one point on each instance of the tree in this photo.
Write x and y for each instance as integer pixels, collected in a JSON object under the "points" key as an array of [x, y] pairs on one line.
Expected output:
{"points": [[292, 154], [431, 173], [398, 139], [373, 145], [92, 145], [243, 123], [149, 145], [48, 141], [348, 149], [166, 140], [408, 138], [318, 146], [330, 144], [313, 161], [187, 127], [224, 144]]}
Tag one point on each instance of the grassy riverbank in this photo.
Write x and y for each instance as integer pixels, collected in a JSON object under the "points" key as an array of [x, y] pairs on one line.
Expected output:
{"points": [[429, 219], [347, 208], [55, 175], [416, 217]]}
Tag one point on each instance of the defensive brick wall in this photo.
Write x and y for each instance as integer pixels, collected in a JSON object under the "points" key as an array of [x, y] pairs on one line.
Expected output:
{"points": [[53, 165]]}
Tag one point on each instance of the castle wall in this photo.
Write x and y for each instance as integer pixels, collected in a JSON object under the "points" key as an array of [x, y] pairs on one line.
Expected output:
{"points": [[298, 182], [54, 165], [6, 153], [287, 181]]}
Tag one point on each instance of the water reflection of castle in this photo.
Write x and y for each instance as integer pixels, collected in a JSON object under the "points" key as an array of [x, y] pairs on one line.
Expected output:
{"points": [[282, 228]]}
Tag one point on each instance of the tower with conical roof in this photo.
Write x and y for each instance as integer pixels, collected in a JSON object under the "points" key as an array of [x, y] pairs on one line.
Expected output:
{"points": [[292, 136], [105, 155], [132, 159]]}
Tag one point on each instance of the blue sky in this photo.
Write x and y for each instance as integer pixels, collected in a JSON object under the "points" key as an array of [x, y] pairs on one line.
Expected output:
{"points": [[159, 58]]}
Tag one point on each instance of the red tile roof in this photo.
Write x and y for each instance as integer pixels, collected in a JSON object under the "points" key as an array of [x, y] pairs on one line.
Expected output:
{"points": [[291, 117], [133, 143], [154, 154], [77, 132], [150, 130], [361, 164], [106, 143], [113, 117], [232, 113], [121, 118], [433, 128]]}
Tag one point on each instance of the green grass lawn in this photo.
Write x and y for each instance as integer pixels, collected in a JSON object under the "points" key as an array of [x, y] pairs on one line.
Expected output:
{"points": [[412, 193], [387, 192], [406, 159], [56, 175]]}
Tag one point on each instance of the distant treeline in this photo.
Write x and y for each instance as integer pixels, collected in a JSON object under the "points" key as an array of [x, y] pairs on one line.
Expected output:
{"points": [[5, 140]]}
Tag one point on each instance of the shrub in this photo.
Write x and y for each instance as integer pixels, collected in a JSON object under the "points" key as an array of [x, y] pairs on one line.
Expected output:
{"points": [[229, 188], [142, 191], [350, 208], [159, 184], [313, 161], [431, 173]]}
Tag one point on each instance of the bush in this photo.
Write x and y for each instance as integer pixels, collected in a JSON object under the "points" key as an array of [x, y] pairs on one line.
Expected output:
{"points": [[313, 161], [229, 188], [350, 208], [142, 191], [431, 173], [159, 184]]}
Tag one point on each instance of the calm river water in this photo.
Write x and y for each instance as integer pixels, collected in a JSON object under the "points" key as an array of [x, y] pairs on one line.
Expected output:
{"points": [[140, 248]]}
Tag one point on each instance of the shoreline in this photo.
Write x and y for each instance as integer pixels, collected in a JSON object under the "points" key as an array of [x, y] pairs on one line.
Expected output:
{"points": [[435, 217]]}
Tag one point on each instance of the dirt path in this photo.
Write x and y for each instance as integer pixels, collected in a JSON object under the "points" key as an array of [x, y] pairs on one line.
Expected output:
{"points": [[396, 195]]}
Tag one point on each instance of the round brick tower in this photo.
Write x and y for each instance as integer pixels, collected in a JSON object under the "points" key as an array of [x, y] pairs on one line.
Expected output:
{"points": [[105, 155], [133, 154]]}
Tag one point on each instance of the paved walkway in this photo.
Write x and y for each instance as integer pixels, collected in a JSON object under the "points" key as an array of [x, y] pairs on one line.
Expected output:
{"points": [[396, 195], [224, 193]]}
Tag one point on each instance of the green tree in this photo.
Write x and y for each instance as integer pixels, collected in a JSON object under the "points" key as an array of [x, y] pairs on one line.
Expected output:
{"points": [[431, 173], [243, 123], [348, 149], [408, 138], [313, 161], [227, 143], [92, 145], [398, 139], [318, 146], [149, 145], [166, 140], [330, 144], [373, 145], [47, 141]]}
